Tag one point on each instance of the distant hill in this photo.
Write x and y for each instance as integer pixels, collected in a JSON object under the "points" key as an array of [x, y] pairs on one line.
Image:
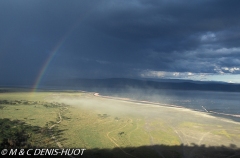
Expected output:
{"points": [[90, 84]]}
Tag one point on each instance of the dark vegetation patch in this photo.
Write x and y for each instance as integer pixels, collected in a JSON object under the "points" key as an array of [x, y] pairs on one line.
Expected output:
{"points": [[117, 118], [121, 133], [18, 134], [26, 102], [3, 90], [103, 115]]}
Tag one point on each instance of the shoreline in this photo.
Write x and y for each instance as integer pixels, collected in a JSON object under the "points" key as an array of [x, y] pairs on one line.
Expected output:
{"points": [[205, 113]]}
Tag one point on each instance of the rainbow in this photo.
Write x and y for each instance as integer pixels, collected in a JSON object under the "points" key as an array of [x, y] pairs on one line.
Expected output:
{"points": [[56, 48], [51, 56], [46, 64]]}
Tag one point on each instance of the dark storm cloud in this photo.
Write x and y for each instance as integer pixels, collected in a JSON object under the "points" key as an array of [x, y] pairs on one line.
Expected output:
{"points": [[111, 38]]}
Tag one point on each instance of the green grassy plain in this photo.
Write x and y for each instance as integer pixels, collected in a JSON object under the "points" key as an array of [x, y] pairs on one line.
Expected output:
{"points": [[82, 120]]}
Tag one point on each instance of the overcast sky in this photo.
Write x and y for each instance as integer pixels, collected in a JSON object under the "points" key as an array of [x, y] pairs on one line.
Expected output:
{"points": [[186, 39]]}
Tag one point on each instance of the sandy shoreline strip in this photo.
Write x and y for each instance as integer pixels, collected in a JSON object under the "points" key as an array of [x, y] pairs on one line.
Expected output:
{"points": [[176, 107]]}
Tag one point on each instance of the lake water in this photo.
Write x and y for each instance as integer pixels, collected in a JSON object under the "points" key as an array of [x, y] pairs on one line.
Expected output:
{"points": [[224, 104]]}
